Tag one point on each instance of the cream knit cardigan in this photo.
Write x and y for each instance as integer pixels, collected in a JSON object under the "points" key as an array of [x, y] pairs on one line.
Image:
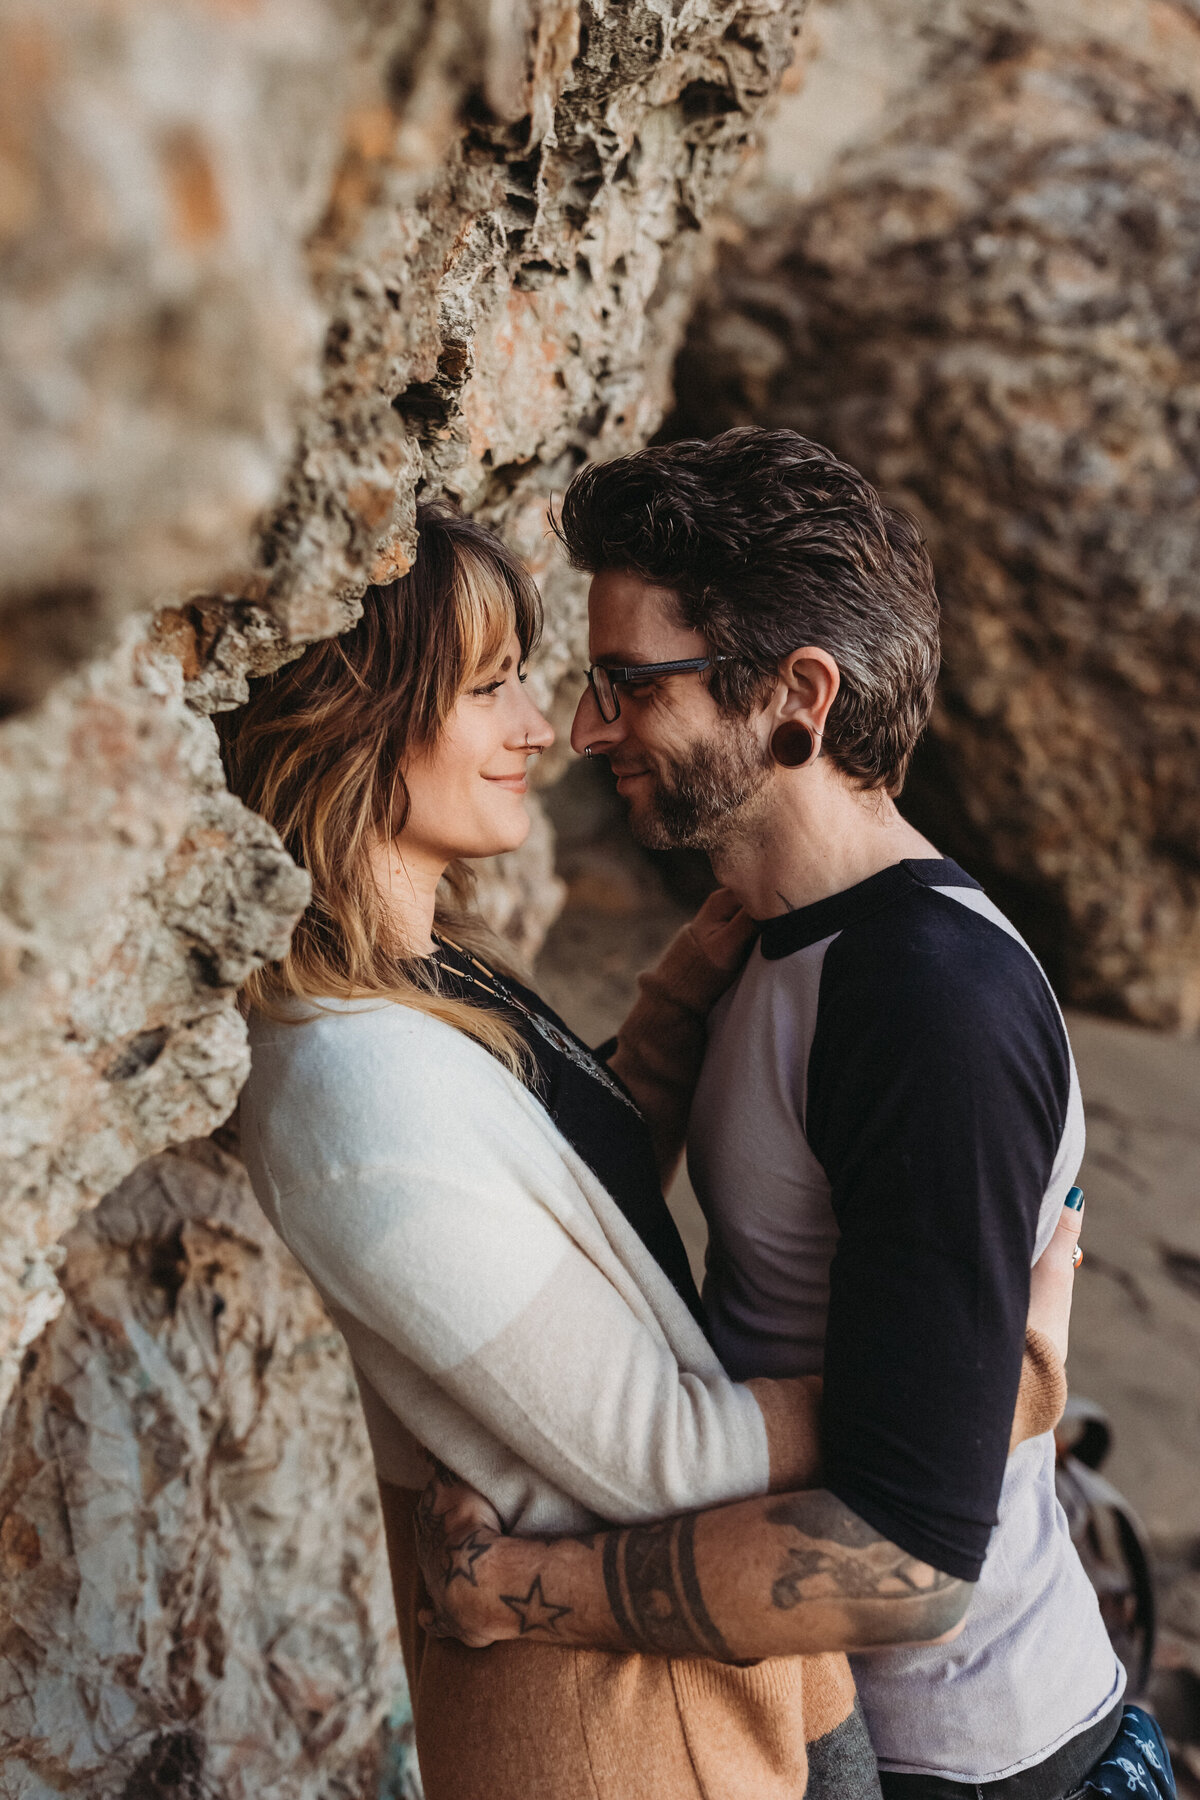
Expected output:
{"points": [[500, 1310]]}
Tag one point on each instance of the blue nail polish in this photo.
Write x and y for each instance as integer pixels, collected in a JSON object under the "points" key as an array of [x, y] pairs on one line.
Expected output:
{"points": [[1074, 1200]]}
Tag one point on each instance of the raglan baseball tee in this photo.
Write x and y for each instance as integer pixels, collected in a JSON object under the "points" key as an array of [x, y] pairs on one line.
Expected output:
{"points": [[885, 1128]]}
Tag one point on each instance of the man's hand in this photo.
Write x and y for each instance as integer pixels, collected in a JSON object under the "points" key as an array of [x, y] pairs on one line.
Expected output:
{"points": [[724, 930], [456, 1530], [1053, 1282]]}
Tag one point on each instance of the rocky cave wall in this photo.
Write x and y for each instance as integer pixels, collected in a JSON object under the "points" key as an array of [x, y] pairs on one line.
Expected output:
{"points": [[971, 268], [269, 271]]}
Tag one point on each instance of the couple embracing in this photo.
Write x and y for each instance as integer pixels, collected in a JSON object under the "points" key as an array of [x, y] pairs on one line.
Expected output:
{"points": [[798, 1536]]}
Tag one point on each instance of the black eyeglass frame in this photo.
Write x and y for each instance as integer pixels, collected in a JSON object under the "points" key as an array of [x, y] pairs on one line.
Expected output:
{"points": [[622, 675]]}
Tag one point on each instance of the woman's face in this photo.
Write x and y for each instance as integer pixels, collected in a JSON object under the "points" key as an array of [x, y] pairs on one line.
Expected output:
{"points": [[467, 794]]}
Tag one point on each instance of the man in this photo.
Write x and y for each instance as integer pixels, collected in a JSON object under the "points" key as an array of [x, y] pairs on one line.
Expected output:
{"points": [[886, 1126]]}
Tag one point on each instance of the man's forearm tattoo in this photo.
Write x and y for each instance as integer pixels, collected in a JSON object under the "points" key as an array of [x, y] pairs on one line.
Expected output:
{"points": [[654, 1591], [830, 1558], [452, 1561], [460, 1559], [534, 1612], [840, 1557]]}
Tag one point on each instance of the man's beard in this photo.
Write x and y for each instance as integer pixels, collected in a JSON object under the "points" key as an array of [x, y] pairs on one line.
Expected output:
{"points": [[704, 799]]}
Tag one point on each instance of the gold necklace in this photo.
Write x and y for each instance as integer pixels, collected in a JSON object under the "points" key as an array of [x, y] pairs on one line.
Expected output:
{"points": [[575, 1053]]}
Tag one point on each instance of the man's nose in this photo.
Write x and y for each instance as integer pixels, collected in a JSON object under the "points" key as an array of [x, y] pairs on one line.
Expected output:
{"points": [[589, 731]]}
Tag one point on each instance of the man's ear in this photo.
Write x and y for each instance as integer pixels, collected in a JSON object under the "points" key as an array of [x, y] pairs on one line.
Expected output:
{"points": [[810, 679]]}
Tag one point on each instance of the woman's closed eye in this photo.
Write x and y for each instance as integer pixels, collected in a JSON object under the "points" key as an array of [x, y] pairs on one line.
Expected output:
{"points": [[493, 687]]}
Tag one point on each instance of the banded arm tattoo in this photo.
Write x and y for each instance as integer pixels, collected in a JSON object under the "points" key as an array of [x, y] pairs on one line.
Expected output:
{"points": [[654, 1590]]}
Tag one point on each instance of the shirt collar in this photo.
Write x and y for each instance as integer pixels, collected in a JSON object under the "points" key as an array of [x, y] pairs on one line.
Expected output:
{"points": [[805, 925]]}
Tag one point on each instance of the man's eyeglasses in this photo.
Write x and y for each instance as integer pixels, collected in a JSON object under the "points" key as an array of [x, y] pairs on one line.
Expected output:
{"points": [[604, 681]]}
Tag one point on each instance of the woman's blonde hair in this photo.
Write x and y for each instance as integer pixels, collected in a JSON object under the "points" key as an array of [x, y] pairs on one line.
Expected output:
{"points": [[320, 749]]}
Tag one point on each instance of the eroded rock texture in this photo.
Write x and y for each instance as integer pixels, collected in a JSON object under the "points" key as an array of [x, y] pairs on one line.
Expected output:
{"points": [[987, 302], [136, 894], [190, 1550], [270, 271], [162, 165]]}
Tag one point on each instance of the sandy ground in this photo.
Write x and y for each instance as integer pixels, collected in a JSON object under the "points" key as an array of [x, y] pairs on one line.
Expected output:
{"points": [[1135, 1333]]}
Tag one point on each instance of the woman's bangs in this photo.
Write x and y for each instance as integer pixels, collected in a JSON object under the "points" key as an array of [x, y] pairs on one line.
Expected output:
{"points": [[527, 605], [487, 613]]}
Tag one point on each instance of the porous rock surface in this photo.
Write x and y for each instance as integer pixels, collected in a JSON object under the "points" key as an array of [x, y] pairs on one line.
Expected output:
{"points": [[270, 271], [136, 894], [190, 1551], [979, 287]]}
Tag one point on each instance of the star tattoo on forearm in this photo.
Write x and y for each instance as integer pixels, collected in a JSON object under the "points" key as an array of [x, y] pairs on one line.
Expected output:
{"points": [[460, 1559], [455, 1559], [534, 1612]]}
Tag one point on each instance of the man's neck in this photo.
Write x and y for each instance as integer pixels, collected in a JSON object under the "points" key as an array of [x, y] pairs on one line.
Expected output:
{"points": [[811, 840]]}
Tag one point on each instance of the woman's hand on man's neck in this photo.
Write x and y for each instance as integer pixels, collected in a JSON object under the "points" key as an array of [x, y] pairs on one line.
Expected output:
{"points": [[816, 835], [408, 885]]}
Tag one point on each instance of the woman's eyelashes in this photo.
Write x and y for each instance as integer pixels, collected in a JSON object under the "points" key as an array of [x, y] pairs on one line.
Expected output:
{"points": [[493, 687]]}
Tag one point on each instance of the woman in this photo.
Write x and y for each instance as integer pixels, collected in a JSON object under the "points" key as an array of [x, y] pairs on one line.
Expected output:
{"points": [[479, 1199]]}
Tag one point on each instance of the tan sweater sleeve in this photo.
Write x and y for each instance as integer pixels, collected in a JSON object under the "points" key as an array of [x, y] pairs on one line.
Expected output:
{"points": [[791, 1412], [1042, 1394], [661, 1044]]}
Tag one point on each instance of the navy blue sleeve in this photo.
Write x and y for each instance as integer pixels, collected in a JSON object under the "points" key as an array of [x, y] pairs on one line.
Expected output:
{"points": [[938, 1088]]}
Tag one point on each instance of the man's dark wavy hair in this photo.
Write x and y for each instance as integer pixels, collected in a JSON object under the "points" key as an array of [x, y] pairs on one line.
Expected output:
{"points": [[771, 543]]}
